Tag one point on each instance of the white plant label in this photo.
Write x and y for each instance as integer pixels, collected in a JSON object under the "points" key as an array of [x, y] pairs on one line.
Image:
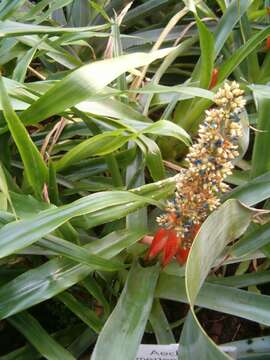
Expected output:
{"points": [[170, 352]]}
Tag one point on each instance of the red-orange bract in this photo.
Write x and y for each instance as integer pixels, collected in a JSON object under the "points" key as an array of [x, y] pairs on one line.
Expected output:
{"points": [[214, 78], [268, 43], [167, 242], [182, 255]]}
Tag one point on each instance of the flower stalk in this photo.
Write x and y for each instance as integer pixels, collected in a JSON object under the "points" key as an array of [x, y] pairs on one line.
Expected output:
{"points": [[198, 188]]}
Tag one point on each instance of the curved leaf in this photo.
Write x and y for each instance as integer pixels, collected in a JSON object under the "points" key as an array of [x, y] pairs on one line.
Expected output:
{"points": [[233, 219], [261, 153], [168, 128], [123, 331], [255, 191], [38, 174], [17, 235], [101, 144], [36, 335], [84, 82], [57, 275]]}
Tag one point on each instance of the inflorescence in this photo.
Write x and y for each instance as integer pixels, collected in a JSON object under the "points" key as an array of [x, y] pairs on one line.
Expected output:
{"points": [[210, 161]]}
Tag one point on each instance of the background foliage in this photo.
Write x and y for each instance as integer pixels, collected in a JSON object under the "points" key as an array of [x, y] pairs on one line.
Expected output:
{"points": [[99, 102]]}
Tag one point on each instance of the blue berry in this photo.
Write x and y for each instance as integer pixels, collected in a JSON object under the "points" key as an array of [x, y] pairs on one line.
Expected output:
{"points": [[219, 143], [201, 172], [235, 117]]}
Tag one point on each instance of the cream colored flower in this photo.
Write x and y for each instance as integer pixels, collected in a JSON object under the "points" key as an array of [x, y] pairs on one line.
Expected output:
{"points": [[209, 162]]}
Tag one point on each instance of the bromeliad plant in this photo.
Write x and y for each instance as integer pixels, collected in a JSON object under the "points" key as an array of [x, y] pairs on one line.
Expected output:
{"points": [[98, 105]]}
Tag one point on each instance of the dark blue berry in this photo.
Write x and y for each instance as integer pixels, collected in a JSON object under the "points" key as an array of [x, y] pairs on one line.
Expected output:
{"points": [[218, 143], [235, 117]]}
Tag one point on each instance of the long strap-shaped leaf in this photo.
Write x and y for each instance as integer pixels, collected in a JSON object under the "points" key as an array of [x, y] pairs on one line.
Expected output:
{"points": [[224, 225], [17, 235], [253, 192], [13, 28], [122, 333], [261, 153], [226, 299], [191, 117], [84, 82], [78, 253], [35, 167], [57, 275], [38, 337]]}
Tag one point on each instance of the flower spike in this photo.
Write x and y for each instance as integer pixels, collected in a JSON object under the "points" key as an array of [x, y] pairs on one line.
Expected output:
{"points": [[198, 188]]}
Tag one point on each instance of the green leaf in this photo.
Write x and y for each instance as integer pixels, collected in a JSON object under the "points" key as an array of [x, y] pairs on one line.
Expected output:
{"points": [[261, 153], [159, 190], [3, 202], [233, 219], [191, 118], [38, 337], [95, 290], [242, 53], [195, 337], [252, 59], [160, 324], [9, 7], [125, 327], [135, 176], [111, 108], [4, 187], [17, 235], [82, 342], [244, 280], [54, 5], [153, 157], [52, 50], [207, 53], [37, 175], [168, 128], [181, 89], [88, 316], [13, 28], [20, 70], [84, 82], [252, 241], [253, 192], [66, 337], [98, 145], [144, 9], [225, 299], [228, 21], [52, 184], [36, 9], [77, 253], [57, 275]]}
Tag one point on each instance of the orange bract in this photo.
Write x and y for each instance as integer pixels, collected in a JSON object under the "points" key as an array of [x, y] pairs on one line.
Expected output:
{"points": [[268, 43], [214, 78], [182, 256], [167, 242]]}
